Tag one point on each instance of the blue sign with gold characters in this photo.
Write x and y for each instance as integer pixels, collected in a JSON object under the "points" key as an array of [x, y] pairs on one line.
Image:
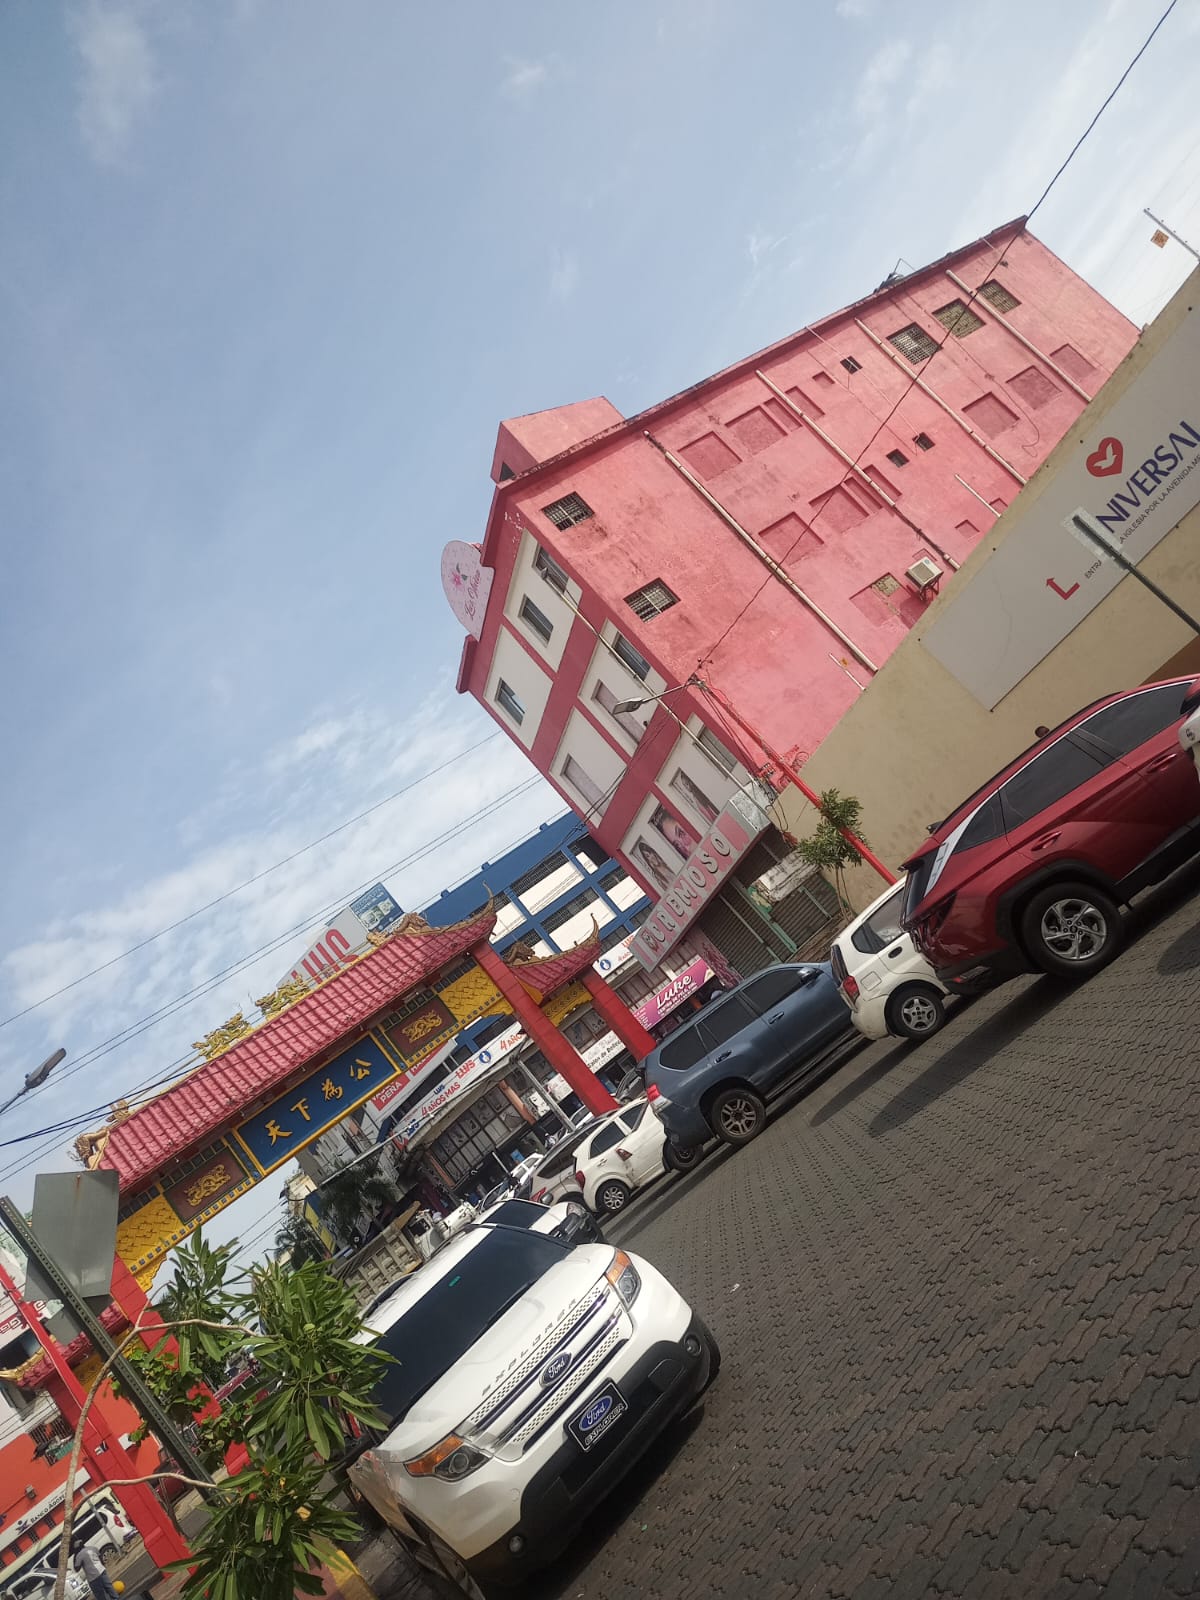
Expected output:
{"points": [[273, 1135]]}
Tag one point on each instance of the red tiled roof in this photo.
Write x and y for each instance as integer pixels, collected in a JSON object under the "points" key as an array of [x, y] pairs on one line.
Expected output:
{"points": [[39, 1372], [548, 973], [195, 1111]]}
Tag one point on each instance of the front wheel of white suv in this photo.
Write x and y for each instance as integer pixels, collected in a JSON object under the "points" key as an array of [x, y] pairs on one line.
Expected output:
{"points": [[456, 1569]]}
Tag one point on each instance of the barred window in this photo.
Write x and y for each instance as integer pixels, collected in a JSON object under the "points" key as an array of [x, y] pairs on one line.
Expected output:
{"points": [[565, 513], [997, 295], [651, 600], [959, 318], [913, 342]]}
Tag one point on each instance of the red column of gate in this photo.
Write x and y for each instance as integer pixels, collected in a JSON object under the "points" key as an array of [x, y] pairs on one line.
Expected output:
{"points": [[558, 1051], [636, 1039]]}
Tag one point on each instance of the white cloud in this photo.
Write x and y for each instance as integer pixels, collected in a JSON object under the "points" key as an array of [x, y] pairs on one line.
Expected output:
{"points": [[760, 245], [880, 73], [564, 274], [119, 78], [522, 78], [854, 10], [325, 774]]}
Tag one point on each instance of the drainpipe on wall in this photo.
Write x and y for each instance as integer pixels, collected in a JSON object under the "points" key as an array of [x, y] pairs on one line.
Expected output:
{"points": [[767, 560], [1021, 339], [954, 415], [858, 471]]}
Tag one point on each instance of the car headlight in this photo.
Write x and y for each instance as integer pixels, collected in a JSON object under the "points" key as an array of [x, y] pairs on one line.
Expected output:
{"points": [[624, 1277], [452, 1459]]}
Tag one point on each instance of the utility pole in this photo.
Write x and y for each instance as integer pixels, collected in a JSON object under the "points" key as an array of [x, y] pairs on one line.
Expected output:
{"points": [[131, 1381], [852, 839]]}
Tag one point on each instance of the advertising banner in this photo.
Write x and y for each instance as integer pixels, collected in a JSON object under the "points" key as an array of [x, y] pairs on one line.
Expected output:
{"points": [[1134, 477]]}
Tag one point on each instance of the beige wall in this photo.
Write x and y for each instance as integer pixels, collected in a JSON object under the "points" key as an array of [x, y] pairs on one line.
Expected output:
{"points": [[916, 742]]}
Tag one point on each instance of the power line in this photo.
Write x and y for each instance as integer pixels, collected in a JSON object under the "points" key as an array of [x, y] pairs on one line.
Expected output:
{"points": [[941, 344], [228, 894], [186, 1063]]}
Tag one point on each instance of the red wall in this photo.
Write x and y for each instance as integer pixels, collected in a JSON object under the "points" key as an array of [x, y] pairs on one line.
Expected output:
{"points": [[783, 669], [19, 1467]]}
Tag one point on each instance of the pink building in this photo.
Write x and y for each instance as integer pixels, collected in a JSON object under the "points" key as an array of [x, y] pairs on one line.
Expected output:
{"points": [[728, 531]]}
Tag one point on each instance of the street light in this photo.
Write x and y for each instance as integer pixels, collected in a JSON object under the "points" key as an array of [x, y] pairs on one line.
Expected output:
{"points": [[36, 1078], [860, 846]]}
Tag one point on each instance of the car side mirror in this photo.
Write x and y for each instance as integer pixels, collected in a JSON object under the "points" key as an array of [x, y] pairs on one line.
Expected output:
{"points": [[1191, 701], [810, 975]]}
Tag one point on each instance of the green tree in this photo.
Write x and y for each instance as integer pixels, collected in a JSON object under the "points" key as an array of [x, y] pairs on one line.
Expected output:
{"points": [[298, 1242], [827, 847], [272, 1523], [350, 1193]]}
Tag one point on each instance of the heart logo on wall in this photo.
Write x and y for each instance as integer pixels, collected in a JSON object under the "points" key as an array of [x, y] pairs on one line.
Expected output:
{"points": [[1106, 459]]}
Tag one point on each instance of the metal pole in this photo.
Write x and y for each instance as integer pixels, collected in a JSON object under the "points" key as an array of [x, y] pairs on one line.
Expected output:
{"points": [[810, 794], [131, 1381], [1191, 249], [1110, 551]]}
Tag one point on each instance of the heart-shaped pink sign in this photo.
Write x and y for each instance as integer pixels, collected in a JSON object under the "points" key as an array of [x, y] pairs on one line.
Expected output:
{"points": [[467, 583], [1107, 459]]}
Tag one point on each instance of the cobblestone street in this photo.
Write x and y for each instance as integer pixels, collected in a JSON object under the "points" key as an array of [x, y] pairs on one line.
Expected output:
{"points": [[958, 1293]]}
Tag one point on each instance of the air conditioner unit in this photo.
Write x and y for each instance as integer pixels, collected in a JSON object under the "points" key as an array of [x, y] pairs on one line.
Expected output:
{"points": [[924, 573]]}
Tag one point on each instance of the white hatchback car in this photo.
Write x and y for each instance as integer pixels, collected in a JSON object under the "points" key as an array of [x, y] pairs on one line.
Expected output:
{"points": [[882, 976], [622, 1154], [529, 1375]]}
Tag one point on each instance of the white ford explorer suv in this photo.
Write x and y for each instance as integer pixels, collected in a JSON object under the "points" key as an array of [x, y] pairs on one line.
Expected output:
{"points": [[529, 1374]]}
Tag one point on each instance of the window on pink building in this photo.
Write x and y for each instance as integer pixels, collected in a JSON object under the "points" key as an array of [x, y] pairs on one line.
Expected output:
{"points": [[603, 696], [651, 600], [959, 318], [584, 785], [997, 295], [913, 343], [565, 513]]}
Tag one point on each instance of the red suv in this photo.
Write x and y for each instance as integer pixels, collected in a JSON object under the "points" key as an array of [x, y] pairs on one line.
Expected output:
{"points": [[1028, 873]]}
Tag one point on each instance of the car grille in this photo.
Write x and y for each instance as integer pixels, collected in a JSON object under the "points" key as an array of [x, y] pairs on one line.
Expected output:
{"points": [[517, 1413]]}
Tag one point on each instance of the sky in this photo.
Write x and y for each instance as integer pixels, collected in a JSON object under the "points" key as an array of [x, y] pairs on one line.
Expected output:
{"points": [[272, 272]]}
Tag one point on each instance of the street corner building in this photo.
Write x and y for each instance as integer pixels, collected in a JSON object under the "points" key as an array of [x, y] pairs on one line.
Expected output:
{"points": [[784, 524]]}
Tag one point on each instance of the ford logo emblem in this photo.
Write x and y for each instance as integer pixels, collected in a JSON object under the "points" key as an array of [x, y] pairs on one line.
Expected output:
{"points": [[595, 1413], [553, 1370]]}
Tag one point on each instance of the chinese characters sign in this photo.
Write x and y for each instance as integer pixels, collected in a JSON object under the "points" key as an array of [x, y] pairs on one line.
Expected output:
{"points": [[422, 1029], [192, 1196], [314, 1104]]}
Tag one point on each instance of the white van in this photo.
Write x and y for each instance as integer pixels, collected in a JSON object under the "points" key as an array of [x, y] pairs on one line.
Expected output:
{"points": [[888, 985]]}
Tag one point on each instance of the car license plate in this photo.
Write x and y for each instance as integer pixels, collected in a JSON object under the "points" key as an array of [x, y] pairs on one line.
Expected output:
{"points": [[600, 1414]]}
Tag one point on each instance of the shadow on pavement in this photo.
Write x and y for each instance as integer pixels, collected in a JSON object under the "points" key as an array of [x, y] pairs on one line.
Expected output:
{"points": [[970, 1052], [665, 1194], [558, 1582], [865, 1080], [1001, 1028]]}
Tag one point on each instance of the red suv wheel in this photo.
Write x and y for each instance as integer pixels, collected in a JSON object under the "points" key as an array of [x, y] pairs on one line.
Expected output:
{"points": [[1072, 930]]}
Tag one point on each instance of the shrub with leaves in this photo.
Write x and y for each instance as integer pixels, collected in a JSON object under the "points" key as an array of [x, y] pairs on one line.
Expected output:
{"points": [[269, 1525], [827, 847]]}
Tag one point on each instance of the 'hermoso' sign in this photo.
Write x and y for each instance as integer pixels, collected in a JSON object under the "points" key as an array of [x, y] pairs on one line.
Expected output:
{"points": [[708, 866]]}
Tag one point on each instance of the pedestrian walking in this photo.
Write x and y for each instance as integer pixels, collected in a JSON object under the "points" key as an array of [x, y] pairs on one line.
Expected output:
{"points": [[90, 1565]]}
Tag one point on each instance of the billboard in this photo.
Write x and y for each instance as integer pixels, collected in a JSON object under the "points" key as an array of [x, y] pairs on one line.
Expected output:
{"points": [[1134, 477], [345, 937]]}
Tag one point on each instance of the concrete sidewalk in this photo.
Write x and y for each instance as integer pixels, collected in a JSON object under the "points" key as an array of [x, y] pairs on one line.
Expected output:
{"points": [[378, 1569]]}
